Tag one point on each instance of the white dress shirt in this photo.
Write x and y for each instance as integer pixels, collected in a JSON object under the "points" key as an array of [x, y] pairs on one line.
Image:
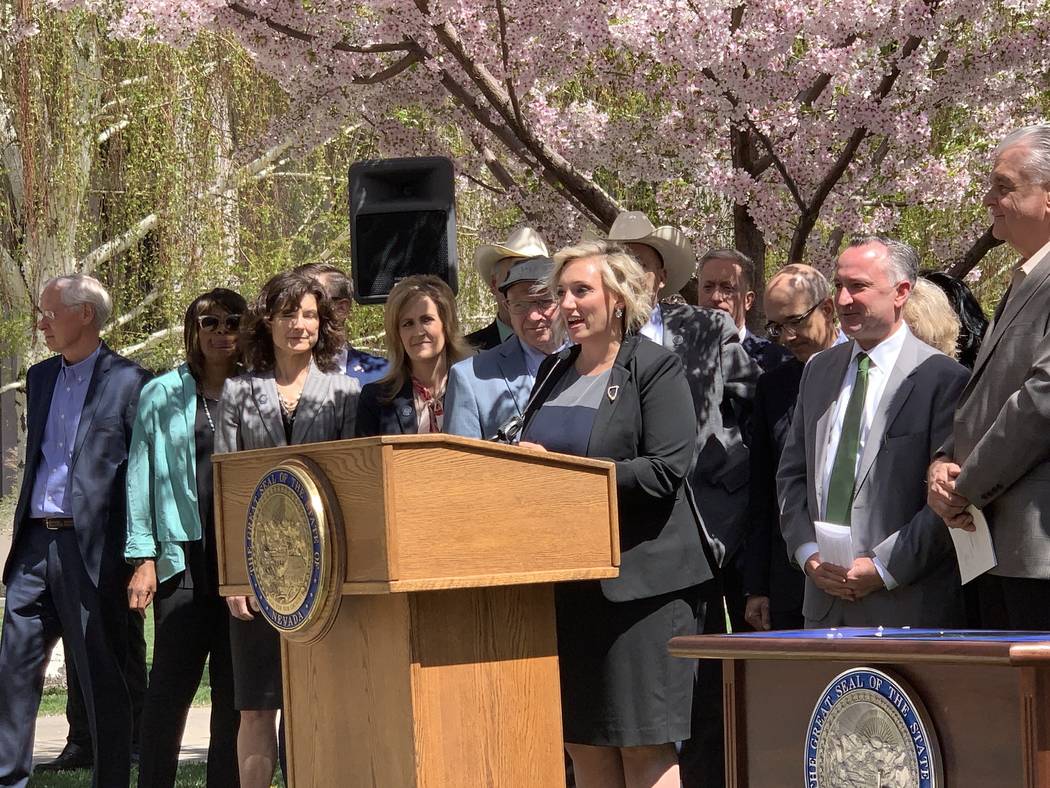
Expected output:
{"points": [[654, 329], [883, 358]]}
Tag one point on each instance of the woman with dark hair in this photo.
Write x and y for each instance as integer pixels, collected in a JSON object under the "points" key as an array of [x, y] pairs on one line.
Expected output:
{"points": [[423, 339], [968, 308], [294, 394], [171, 542]]}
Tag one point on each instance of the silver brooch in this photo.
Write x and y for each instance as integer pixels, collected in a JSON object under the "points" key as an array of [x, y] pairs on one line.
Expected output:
{"points": [[612, 392]]}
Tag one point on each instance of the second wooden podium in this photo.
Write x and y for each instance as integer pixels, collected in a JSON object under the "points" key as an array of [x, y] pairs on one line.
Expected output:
{"points": [[427, 654]]}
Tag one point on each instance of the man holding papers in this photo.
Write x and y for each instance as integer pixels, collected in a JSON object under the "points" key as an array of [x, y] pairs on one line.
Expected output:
{"points": [[869, 414], [998, 456]]}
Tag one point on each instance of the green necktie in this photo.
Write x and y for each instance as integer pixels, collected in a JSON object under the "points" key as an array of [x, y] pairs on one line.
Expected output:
{"points": [[844, 471]]}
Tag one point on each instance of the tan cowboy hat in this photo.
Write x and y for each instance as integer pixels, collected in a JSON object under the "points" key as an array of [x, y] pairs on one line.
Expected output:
{"points": [[523, 242], [634, 227]]}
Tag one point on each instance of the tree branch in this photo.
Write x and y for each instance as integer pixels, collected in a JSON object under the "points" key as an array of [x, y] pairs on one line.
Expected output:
{"points": [[505, 52], [981, 247]]}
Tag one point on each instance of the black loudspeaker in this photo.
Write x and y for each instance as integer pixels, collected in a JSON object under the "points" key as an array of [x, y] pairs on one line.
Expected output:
{"points": [[402, 222]]}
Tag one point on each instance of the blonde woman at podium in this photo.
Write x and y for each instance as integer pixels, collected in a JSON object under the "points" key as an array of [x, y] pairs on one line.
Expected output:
{"points": [[616, 395], [423, 340], [295, 394]]}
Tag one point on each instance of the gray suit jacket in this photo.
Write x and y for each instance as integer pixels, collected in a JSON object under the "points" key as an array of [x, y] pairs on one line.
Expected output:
{"points": [[890, 518], [1001, 437], [486, 390], [722, 380], [250, 412]]}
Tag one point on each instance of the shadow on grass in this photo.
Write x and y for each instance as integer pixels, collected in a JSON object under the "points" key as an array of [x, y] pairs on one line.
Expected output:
{"points": [[191, 775]]}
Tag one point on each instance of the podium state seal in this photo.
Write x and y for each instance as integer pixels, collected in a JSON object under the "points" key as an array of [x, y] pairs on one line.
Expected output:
{"points": [[294, 549], [869, 729]]}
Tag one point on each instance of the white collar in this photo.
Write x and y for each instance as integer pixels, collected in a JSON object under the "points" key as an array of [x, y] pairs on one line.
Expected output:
{"points": [[884, 355]]}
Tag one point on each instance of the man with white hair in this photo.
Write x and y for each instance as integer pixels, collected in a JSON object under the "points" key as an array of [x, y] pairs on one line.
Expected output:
{"points": [[66, 573], [997, 457]]}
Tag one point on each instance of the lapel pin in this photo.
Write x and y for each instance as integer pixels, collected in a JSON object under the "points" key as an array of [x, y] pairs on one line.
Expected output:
{"points": [[612, 392], [677, 339], [262, 399], [406, 411]]}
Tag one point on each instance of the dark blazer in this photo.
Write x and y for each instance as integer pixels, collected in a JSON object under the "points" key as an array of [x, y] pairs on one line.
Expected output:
{"points": [[485, 338], [375, 417], [722, 380], [98, 469], [647, 429], [364, 367], [767, 569], [768, 355]]}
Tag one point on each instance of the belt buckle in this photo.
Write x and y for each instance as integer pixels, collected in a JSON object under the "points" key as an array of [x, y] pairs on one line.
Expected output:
{"points": [[54, 524]]}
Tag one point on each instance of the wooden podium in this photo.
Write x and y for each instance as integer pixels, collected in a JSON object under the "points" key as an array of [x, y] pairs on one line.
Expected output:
{"points": [[987, 695], [440, 667]]}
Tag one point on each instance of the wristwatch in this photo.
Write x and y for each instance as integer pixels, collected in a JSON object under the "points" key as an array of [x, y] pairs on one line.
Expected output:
{"points": [[137, 562]]}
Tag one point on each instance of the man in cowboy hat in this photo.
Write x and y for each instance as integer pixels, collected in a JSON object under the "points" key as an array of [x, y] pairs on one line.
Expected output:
{"points": [[493, 261], [722, 378], [487, 390]]}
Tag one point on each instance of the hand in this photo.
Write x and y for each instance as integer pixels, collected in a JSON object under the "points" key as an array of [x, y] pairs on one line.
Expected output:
{"points": [[756, 612], [829, 578], [963, 520], [863, 577], [940, 489], [533, 446], [143, 586], [238, 606]]}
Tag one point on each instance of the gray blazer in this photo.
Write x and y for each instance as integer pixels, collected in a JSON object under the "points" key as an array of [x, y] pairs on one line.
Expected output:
{"points": [[1001, 436], [486, 390], [722, 380], [250, 412], [890, 518]]}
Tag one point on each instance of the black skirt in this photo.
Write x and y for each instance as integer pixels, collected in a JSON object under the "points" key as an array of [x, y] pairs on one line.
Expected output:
{"points": [[255, 648], [619, 686]]}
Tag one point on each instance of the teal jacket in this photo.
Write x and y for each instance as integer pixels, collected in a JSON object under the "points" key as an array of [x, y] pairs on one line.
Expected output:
{"points": [[162, 473]]}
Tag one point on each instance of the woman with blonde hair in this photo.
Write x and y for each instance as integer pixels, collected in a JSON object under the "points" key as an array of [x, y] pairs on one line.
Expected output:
{"points": [[423, 339], [931, 318], [616, 395]]}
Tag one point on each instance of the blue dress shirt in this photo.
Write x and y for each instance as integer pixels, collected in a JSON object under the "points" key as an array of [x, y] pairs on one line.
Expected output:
{"points": [[51, 485]]}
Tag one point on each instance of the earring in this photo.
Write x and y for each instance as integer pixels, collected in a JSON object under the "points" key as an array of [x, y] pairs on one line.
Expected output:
{"points": [[618, 312]]}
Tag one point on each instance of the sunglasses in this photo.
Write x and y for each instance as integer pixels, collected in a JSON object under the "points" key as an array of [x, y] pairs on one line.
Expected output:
{"points": [[211, 322]]}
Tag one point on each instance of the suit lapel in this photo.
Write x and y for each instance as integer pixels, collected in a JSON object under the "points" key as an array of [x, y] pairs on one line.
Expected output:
{"points": [[898, 387], [95, 392], [514, 371], [828, 394], [610, 401], [1015, 302], [404, 406], [264, 392], [315, 393], [35, 428]]}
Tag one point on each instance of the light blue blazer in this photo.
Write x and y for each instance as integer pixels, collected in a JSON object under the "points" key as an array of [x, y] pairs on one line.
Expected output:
{"points": [[486, 390], [162, 473]]}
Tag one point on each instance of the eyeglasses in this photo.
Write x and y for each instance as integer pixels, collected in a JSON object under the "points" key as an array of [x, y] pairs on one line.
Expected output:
{"points": [[774, 329], [211, 322], [526, 306]]}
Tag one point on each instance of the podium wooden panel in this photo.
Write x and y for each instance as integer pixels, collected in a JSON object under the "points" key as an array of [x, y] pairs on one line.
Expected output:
{"points": [[441, 666], [988, 700]]}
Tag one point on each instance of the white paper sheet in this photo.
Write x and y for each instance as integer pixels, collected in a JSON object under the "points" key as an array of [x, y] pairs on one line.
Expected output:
{"points": [[835, 543], [973, 549]]}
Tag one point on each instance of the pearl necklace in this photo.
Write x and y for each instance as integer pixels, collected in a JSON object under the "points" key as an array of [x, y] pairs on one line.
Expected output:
{"points": [[207, 412]]}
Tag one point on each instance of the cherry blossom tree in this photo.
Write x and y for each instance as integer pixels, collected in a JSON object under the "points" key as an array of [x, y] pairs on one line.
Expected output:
{"points": [[792, 122]]}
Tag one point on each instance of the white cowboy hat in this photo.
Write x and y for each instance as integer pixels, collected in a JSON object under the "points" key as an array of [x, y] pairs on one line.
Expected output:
{"points": [[523, 242], [634, 227]]}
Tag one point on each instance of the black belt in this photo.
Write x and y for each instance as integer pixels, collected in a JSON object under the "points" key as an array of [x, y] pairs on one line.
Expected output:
{"points": [[55, 523]]}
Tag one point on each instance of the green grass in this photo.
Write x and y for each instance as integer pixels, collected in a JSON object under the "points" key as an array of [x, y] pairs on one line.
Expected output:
{"points": [[54, 701], [191, 775]]}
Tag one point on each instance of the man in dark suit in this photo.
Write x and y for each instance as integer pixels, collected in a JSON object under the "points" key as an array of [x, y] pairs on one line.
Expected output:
{"points": [[358, 364], [66, 573], [801, 316], [726, 281], [493, 262], [997, 457]]}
